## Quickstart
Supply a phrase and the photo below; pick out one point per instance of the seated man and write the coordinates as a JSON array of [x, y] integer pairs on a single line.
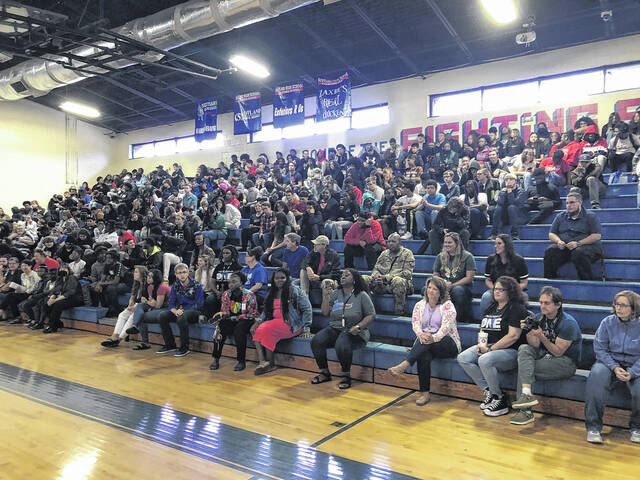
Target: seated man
[[406, 204], [576, 236], [294, 254], [588, 177], [509, 208], [543, 196], [393, 273], [453, 218], [111, 284], [428, 209], [363, 239], [186, 302], [320, 267], [552, 351]]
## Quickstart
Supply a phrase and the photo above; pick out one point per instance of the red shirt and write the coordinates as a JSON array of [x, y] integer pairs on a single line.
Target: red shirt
[[49, 262], [559, 169], [370, 235]]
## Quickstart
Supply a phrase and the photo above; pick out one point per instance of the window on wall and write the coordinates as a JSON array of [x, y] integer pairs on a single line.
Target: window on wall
[[622, 78], [171, 146], [457, 103], [366, 117], [559, 88]]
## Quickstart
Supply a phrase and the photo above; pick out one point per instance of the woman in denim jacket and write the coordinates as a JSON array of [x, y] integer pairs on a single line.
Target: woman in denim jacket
[[287, 314]]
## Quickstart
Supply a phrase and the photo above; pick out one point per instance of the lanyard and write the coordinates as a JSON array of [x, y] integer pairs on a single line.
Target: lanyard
[[344, 305]]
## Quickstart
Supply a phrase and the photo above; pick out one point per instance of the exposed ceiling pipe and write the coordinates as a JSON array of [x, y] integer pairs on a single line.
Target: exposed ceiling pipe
[[165, 30]]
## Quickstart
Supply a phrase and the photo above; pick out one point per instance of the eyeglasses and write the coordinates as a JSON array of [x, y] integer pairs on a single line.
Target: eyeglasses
[[621, 305], [499, 289]]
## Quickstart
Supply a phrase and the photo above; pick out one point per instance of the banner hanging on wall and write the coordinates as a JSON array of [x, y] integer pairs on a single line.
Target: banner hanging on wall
[[206, 120], [247, 113], [334, 98], [288, 105]]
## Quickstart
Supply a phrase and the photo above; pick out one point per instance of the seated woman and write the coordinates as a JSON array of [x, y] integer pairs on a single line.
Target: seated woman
[[504, 262], [478, 204], [155, 301], [434, 323], [237, 314], [501, 329], [29, 281], [351, 311], [214, 228], [617, 349], [287, 314], [457, 267], [273, 254], [230, 213], [311, 224], [204, 274], [66, 293], [135, 307]]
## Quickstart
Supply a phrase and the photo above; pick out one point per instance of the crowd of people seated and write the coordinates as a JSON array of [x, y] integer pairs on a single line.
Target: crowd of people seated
[[168, 240]]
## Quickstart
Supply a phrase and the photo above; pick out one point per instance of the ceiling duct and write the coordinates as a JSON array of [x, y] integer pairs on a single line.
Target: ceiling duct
[[165, 30]]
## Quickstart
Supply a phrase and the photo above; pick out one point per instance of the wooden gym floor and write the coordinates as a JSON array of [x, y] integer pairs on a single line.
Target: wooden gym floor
[[73, 410]]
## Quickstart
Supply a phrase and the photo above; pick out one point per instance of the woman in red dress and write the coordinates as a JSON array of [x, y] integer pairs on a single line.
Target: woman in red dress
[[287, 314]]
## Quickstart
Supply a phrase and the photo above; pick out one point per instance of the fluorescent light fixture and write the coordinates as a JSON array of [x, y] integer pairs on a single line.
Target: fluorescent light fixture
[[502, 11], [80, 109], [249, 66]]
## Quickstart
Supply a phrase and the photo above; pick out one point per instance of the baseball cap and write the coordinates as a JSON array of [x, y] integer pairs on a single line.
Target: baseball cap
[[320, 240]]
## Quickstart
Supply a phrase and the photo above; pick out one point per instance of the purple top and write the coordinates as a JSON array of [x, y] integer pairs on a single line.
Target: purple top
[[431, 319]]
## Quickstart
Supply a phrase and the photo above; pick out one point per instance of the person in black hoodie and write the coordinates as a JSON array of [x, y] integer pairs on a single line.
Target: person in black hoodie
[[453, 218], [66, 293], [228, 265], [311, 224], [542, 196], [329, 206]]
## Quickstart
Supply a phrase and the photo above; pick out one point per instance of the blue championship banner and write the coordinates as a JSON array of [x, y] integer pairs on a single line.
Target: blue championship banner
[[334, 98], [247, 113], [288, 105], [206, 120]]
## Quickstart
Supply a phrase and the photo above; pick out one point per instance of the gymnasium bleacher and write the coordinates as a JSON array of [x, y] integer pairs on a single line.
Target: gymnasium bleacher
[[588, 301]]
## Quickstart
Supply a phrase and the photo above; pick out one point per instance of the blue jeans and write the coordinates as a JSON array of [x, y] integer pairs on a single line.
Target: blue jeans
[[514, 217], [601, 380], [424, 220], [216, 236], [483, 369], [264, 242], [461, 296], [140, 310], [485, 301]]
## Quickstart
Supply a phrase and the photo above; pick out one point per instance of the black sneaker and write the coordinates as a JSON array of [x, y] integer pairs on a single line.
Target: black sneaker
[[497, 407], [132, 330], [487, 399], [166, 349], [182, 353]]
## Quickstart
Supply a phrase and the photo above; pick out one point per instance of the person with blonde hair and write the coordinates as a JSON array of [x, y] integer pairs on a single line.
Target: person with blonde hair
[[434, 323], [617, 349]]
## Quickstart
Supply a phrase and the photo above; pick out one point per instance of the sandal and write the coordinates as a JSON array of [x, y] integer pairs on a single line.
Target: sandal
[[142, 346], [345, 383], [322, 378]]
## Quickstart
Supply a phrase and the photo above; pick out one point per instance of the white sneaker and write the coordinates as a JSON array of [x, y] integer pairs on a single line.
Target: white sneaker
[[593, 436], [635, 436], [406, 236]]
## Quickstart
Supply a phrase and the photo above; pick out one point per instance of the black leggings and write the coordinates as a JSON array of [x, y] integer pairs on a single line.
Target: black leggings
[[55, 311], [423, 353], [240, 331], [344, 343]]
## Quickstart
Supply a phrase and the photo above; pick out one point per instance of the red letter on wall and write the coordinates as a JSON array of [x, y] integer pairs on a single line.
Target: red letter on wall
[[626, 108]]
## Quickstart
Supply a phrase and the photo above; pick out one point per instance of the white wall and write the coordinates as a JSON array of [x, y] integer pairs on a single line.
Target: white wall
[[32, 152], [408, 100]]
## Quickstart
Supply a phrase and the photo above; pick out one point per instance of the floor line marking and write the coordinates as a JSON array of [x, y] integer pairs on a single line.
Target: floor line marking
[[361, 419], [138, 433]]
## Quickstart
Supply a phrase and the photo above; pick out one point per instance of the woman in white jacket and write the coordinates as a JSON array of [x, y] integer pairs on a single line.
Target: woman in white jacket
[[231, 214], [434, 323]]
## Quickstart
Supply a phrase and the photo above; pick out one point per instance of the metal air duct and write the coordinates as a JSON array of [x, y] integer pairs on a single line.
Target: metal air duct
[[166, 30]]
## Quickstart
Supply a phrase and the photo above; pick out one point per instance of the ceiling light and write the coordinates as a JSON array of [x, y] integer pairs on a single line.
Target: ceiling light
[[80, 109], [502, 11], [250, 66]]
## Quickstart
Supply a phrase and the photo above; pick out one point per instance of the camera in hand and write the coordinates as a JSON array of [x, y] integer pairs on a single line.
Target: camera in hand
[[531, 323]]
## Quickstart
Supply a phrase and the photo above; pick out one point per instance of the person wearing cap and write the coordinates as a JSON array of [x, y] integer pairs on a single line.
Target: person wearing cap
[[393, 273], [542, 196], [588, 177], [321, 267], [364, 238]]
